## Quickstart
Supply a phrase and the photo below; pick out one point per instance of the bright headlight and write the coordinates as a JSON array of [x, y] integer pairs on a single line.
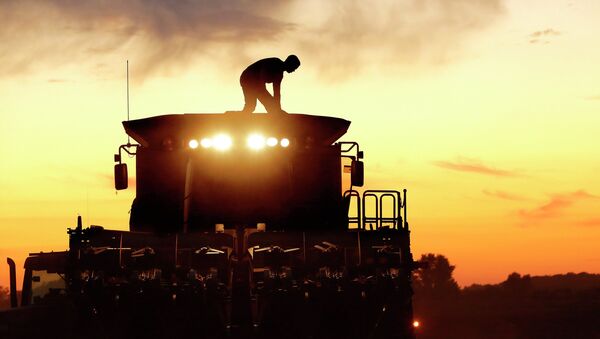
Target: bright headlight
[[285, 142], [256, 141], [271, 142], [206, 142], [193, 144], [222, 142]]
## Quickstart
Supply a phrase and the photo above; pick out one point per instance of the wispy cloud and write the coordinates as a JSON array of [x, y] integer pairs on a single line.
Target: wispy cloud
[[355, 34], [555, 206], [543, 36], [110, 180], [54, 81], [545, 32], [594, 222], [158, 34], [338, 37], [473, 166], [593, 97], [89, 179], [503, 195]]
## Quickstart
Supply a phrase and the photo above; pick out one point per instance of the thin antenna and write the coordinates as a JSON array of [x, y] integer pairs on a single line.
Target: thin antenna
[[128, 138]]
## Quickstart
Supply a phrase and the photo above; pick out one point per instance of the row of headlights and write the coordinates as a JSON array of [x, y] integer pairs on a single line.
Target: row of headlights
[[223, 142]]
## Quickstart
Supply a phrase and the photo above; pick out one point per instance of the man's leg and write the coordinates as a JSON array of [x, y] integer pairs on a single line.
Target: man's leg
[[268, 101], [249, 98]]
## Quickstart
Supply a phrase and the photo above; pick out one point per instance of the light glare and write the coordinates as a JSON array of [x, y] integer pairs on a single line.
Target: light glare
[[285, 142], [206, 142], [256, 141], [416, 323], [193, 144], [222, 142], [272, 142]]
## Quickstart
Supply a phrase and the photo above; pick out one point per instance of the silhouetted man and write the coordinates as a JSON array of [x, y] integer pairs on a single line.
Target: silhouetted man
[[255, 77]]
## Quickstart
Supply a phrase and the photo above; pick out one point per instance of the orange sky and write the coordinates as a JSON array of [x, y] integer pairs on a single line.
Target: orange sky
[[486, 111]]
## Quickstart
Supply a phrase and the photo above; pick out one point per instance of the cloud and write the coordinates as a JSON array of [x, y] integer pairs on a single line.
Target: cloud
[[90, 179], [353, 34], [110, 180], [546, 32], [159, 34], [557, 204], [594, 222], [543, 36], [338, 38], [593, 97], [473, 166], [54, 81], [503, 195]]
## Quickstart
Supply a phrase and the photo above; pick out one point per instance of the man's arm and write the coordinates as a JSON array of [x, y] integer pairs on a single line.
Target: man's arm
[[277, 91]]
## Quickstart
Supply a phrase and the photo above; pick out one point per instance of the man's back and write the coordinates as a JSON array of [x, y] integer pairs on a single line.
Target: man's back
[[269, 70]]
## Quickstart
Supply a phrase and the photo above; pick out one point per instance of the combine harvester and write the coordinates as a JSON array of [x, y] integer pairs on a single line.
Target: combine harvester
[[241, 228]]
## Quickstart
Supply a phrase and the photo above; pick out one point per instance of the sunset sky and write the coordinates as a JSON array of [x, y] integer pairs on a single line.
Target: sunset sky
[[487, 111]]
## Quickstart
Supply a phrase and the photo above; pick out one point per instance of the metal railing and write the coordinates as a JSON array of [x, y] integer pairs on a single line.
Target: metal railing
[[353, 219], [376, 209]]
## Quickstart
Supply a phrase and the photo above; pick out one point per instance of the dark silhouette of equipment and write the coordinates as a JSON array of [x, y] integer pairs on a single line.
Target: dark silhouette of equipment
[[266, 71], [243, 226]]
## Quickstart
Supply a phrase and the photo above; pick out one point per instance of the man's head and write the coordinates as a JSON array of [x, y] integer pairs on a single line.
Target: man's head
[[291, 63]]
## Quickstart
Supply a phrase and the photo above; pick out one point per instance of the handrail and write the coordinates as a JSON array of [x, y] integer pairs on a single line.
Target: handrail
[[357, 219], [379, 196], [397, 219], [368, 219], [396, 209], [404, 208]]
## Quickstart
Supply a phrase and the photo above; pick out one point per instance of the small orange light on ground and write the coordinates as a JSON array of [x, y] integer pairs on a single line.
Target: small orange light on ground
[[193, 144], [416, 324]]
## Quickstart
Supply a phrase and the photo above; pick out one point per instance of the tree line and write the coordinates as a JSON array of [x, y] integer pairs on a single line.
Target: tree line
[[522, 306]]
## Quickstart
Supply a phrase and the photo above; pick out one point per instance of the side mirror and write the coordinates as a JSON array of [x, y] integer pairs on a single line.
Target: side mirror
[[357, 173], [121, 179]]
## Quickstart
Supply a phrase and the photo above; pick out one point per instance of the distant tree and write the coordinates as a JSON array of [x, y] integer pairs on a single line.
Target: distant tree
[[516, 284], [435, 278]]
